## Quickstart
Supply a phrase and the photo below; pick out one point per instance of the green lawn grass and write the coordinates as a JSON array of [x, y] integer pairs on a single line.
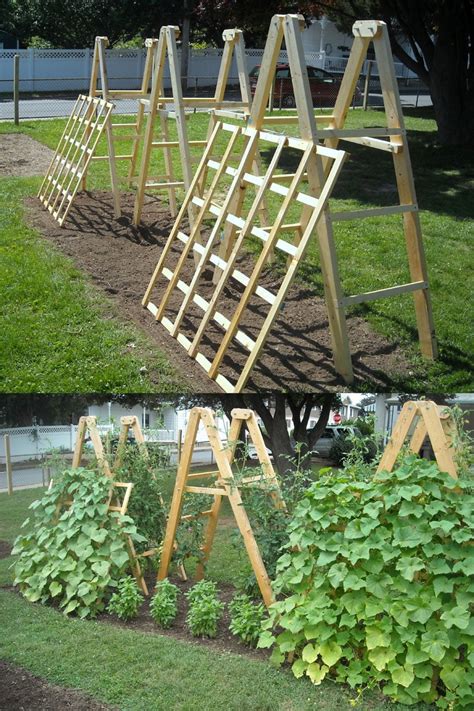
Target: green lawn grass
[[134, 670], [371, 256]]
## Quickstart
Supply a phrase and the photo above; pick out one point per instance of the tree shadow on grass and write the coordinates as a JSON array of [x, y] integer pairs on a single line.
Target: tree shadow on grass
[[444, 175]]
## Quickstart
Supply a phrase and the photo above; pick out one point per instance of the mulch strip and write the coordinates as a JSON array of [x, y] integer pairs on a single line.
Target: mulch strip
[[120, 259], [22, 691]]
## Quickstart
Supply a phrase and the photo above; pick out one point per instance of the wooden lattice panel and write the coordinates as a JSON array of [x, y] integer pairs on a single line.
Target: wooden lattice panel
[[75, 149], [222, 206]]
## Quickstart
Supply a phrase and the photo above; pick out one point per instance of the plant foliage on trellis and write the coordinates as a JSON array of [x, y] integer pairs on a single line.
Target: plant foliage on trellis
[[378, 585], [73, 553]]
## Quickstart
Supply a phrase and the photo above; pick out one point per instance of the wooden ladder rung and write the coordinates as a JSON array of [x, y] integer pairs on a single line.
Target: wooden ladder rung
[[124, 156], [382, 293], [205, 490], [164, 186], [191, 517], [372, 212]]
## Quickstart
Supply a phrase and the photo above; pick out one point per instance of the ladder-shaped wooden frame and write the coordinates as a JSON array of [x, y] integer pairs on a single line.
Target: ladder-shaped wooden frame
[[134, 129], [158, 107], [225, 484], [390, 139], [89, 118], [417, 420]]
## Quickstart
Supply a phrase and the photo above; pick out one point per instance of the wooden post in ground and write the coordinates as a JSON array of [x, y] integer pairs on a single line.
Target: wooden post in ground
[[16, 88], [365, 99], [8, 464], [180, 445]]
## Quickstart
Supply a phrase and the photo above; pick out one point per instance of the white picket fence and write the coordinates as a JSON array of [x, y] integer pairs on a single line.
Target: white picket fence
[[49, 70]]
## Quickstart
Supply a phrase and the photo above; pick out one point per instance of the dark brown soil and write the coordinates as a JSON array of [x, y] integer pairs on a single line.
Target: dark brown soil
[[5, 549], [22, 156], [21, 691], [225, 641], [120, 258]]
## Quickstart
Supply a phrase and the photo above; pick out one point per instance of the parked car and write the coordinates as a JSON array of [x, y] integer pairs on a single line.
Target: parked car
[[324, 86], [330, 434]]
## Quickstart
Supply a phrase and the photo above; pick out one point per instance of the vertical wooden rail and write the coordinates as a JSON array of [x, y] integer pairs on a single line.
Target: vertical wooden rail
[[8, 464], [16, 88], [406, 191]]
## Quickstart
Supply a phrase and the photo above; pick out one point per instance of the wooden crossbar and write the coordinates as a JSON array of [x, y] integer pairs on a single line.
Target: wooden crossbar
[[417, 421], [225, 485]]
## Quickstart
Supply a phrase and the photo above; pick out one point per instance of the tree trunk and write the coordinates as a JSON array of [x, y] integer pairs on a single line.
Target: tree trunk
[[185, 48], [453, 99]]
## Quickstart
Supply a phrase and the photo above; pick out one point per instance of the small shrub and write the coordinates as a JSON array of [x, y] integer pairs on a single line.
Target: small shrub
[[205, 609], [164, 605], [125, 602], [73, 554], [246, 619]]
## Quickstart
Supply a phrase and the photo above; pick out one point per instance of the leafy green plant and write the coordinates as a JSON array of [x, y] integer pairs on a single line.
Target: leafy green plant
[[126, 600], [164, 603], [74, 553], [269, 523], [246, 619], [205, 609], [146, 505], [377, 585]]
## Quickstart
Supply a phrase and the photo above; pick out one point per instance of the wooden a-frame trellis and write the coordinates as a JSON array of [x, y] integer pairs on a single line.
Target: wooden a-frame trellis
[[319, 175], [133, 128], [159, 109], [224, 484], [416, 421], [391, 139], [231, 227], [91, 117], [88, 425]]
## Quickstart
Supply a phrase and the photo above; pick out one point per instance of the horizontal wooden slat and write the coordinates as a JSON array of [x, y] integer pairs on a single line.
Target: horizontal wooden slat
[[382, 293], [205, 490], [163, 186], [372, 212]]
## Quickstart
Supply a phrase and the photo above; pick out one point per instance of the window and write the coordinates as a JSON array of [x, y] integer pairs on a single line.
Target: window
[[283, 74]]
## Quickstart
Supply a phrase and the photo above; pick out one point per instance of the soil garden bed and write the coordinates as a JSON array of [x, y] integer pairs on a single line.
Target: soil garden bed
[[120, 259], [21, 156], [225, 641], [22, 691], [5, 549]]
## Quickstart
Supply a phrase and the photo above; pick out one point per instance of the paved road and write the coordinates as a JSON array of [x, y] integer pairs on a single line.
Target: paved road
[[56, 108], [22, 478]]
